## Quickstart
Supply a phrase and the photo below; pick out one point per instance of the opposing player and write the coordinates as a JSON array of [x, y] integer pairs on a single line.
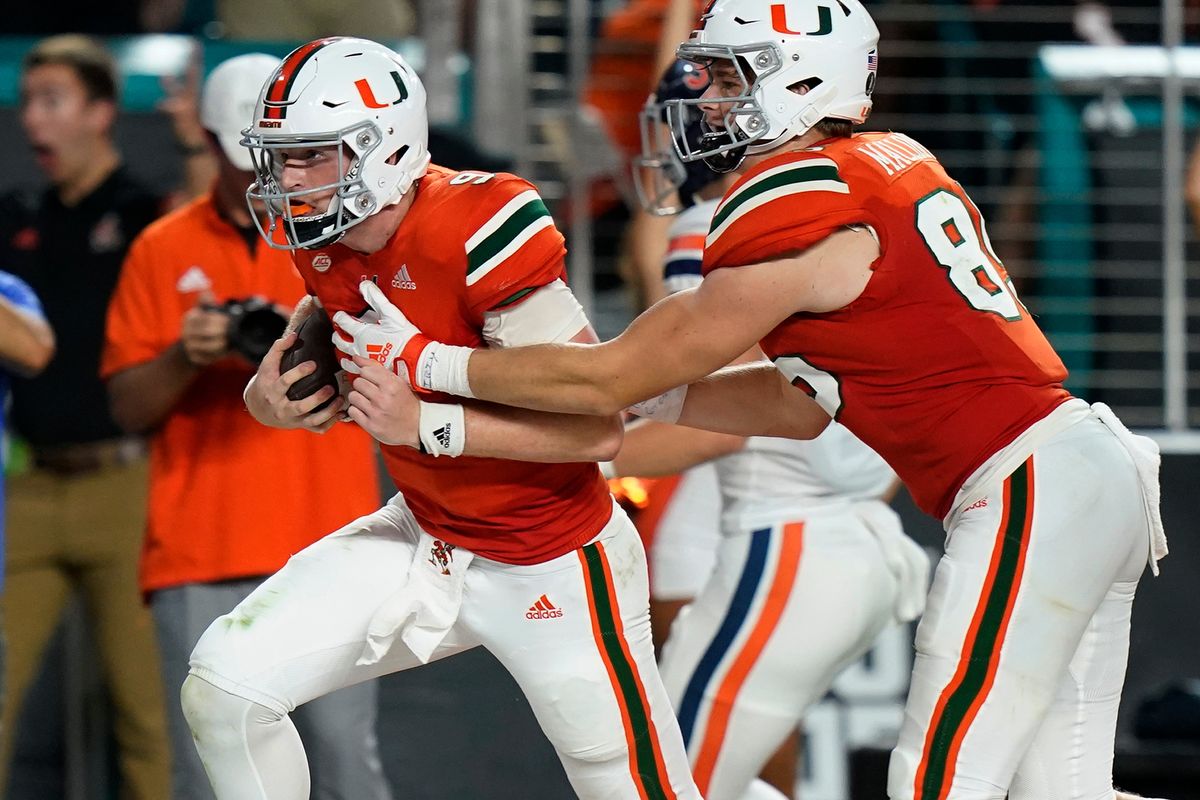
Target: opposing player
[[530, 560], [812, 564], [867, 275]]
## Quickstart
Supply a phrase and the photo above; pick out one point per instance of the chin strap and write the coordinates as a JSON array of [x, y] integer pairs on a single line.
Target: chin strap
[[725, 162]]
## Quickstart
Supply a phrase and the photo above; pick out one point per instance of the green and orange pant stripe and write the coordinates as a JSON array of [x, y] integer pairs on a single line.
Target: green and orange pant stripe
[[646, 764], [960, 701]]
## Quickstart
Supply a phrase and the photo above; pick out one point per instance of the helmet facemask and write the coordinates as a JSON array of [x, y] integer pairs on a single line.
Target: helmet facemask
[[743, 121], [304, 223], [665, 184], [657, 172]]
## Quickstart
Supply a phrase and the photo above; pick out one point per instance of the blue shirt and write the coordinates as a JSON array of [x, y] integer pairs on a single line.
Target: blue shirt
[[17, 292]]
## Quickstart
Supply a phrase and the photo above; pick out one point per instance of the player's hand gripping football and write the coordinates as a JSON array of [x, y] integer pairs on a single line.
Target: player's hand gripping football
[[383, 404], [266, 395], [390, 340]]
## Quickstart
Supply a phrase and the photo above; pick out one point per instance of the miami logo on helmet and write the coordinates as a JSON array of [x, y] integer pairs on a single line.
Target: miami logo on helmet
[[824, 21], [368, 96]]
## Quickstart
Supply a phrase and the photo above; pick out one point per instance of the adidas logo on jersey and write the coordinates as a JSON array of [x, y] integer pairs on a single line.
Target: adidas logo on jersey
[[543, 609], [193, 280], [402, 280]]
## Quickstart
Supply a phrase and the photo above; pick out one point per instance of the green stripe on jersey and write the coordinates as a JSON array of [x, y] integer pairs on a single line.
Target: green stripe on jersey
[[504, 233], [801, 173], [512, 298]]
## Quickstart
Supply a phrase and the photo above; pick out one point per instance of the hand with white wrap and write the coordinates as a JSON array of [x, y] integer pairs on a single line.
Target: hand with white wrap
[[399, 346]]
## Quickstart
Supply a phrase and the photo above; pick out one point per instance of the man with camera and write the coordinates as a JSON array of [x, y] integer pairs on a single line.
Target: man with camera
[[197, 305]]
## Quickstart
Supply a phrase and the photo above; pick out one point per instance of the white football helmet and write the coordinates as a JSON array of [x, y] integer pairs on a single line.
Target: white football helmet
[[830, 45], [350, 93]]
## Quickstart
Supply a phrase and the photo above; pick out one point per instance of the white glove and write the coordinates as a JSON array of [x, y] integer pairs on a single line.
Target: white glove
[[383, 340]]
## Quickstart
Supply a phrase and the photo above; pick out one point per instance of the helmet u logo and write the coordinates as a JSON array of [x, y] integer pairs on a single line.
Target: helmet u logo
[[368, 96], [780, 24]]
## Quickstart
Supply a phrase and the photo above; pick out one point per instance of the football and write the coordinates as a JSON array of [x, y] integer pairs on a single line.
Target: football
[[314, 342]]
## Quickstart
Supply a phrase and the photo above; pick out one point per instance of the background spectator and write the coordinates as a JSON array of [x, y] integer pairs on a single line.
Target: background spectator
[[26, 345], [75, 520]]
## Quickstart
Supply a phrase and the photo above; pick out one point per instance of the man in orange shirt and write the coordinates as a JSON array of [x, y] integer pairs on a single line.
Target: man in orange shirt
[[171, 371]]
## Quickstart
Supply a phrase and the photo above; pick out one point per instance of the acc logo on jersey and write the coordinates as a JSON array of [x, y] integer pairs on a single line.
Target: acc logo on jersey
[[322, 262]]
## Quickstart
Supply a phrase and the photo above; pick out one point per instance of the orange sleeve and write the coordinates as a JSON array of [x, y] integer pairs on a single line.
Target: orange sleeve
[[137, 330], [512, 247], [780, 212]]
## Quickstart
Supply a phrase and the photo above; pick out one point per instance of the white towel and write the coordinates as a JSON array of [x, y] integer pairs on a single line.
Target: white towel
[[904, 557], [422, 611], [1146, 458]]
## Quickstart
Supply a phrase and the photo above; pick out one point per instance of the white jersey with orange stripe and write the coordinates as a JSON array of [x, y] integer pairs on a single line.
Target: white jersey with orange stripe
[[685, 246], [770, 477]]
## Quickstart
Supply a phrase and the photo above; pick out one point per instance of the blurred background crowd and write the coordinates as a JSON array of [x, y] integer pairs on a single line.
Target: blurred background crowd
[[141, 497]]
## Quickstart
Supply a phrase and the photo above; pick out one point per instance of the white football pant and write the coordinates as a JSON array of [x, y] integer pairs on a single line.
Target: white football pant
[[1021, 653], [788, 607], [574, 632]]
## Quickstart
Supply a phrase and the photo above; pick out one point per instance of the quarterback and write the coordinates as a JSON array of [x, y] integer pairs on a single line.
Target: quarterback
[[530, 560], [866, 274]]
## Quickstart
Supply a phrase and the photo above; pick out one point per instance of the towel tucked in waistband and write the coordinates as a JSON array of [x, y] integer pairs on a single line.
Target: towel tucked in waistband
[[1144, 452], [424, 609]]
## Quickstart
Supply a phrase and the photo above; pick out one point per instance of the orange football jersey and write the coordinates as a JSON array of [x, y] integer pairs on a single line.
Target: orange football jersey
[[937, 365], [470, 243]]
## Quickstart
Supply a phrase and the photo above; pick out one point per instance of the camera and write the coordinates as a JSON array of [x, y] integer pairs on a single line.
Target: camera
[[254, 325]]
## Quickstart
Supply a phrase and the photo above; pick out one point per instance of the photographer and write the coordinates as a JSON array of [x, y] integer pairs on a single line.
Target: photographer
[[193, 312]]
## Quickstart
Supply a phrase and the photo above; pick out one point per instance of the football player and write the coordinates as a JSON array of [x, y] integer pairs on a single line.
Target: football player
[[482, 546], [812, 564], [866, 274]]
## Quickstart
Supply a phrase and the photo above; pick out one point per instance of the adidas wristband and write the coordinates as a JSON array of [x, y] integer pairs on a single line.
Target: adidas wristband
[[442, 428], [443, 368]]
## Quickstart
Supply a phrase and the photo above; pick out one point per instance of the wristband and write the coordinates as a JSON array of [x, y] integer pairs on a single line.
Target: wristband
[[667, 407], [443, 368], [607, 469], [442, 428]]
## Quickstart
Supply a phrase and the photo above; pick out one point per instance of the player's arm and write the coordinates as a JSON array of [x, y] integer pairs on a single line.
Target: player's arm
[[680, 340], [26, 341], [751, 400], [384, 405], [655, 449]]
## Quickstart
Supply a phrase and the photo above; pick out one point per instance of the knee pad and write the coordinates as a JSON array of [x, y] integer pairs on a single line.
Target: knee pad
[[579, 724], [207, 707]]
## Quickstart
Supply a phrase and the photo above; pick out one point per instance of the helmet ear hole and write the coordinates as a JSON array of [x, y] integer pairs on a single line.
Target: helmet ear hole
[[395, 157], [808, 84]]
